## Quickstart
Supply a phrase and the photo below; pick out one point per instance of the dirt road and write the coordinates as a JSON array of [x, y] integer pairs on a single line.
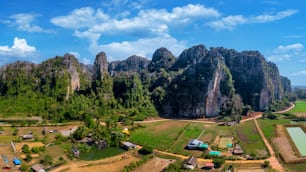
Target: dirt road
[[273, 160]]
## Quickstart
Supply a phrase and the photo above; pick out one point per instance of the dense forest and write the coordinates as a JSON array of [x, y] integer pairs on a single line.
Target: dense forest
[[199, 83]]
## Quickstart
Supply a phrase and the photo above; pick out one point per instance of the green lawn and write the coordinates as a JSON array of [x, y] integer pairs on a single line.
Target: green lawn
[[267, 126], [296, 167], [191, 131], [250, 139], [300, 106], [99, 154], [159, 135]]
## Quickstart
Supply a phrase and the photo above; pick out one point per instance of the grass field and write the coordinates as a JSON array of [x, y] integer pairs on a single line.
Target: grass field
[[173, 135], [224, 141], [300, 106], [267, 126], [100, 154], [250, 139], [191, 131], [159, 135]]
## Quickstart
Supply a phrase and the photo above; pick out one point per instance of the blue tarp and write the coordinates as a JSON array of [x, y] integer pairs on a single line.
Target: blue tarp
[[16, 161], [214, 153]]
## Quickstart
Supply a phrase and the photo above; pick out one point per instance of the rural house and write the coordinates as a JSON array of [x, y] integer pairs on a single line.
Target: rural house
[[191, 163], [128, 145], [27, 137], [238, 150], [208, 166], [38, 168], [196, 144]]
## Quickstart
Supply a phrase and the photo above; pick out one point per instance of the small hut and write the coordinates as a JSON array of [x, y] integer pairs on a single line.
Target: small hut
[[38, 168], [27, 137], [128, 145], [208, 166], [191, 163]]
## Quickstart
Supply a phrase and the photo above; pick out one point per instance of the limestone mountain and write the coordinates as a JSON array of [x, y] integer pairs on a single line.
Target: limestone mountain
[[201, 82]]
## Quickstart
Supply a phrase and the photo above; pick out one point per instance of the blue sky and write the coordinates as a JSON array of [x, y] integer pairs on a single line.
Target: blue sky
[[34, 30]]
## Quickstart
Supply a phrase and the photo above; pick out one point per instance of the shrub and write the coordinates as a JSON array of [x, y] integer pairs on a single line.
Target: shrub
[[218, 162]]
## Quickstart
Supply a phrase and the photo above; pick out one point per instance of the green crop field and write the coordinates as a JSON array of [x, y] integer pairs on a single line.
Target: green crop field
[[250, 139], [300, 106]]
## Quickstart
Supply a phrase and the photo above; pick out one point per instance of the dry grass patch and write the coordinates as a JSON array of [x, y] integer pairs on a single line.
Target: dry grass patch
[[31, 144]]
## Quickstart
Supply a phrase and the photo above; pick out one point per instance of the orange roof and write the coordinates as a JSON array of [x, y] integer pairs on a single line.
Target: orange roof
[[209, 164]]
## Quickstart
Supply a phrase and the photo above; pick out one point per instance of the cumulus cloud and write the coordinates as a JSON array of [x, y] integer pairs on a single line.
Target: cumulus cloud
[[228, 22], [24, 22], [149, 28], [231, 21], [143, 47], [300, 73], [287, 52], [20, 48], [80, 18]]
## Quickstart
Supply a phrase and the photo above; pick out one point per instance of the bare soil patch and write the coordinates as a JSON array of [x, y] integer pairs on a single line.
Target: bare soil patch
[[114, 164], [284, 146], [301, 114], [154, 165]]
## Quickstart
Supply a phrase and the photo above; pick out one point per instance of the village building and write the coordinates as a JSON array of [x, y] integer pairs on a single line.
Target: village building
[[196, 144], [76, 152], [191, 163], [38, 168], [128, 145], [27, 136], [237, 150], [208, 166]]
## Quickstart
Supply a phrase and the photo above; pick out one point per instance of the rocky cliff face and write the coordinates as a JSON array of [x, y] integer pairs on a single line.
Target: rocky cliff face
[[133, 64], [190, 56], [200, 82], [100, 66], [162, 59], [199, 91]]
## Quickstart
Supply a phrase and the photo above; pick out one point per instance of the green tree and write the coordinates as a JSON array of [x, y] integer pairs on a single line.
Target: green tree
[[25, 149], [81, 132], [218, 162]]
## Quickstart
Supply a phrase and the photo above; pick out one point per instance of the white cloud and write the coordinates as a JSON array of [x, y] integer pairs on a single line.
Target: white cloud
[[20, 48], [287, 52], [95, 23], [143, 47], [228, 22], [300, 73], [149, 28], [278, 16], [81, 18], [24, 22], [291, 47], [231, 21]]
